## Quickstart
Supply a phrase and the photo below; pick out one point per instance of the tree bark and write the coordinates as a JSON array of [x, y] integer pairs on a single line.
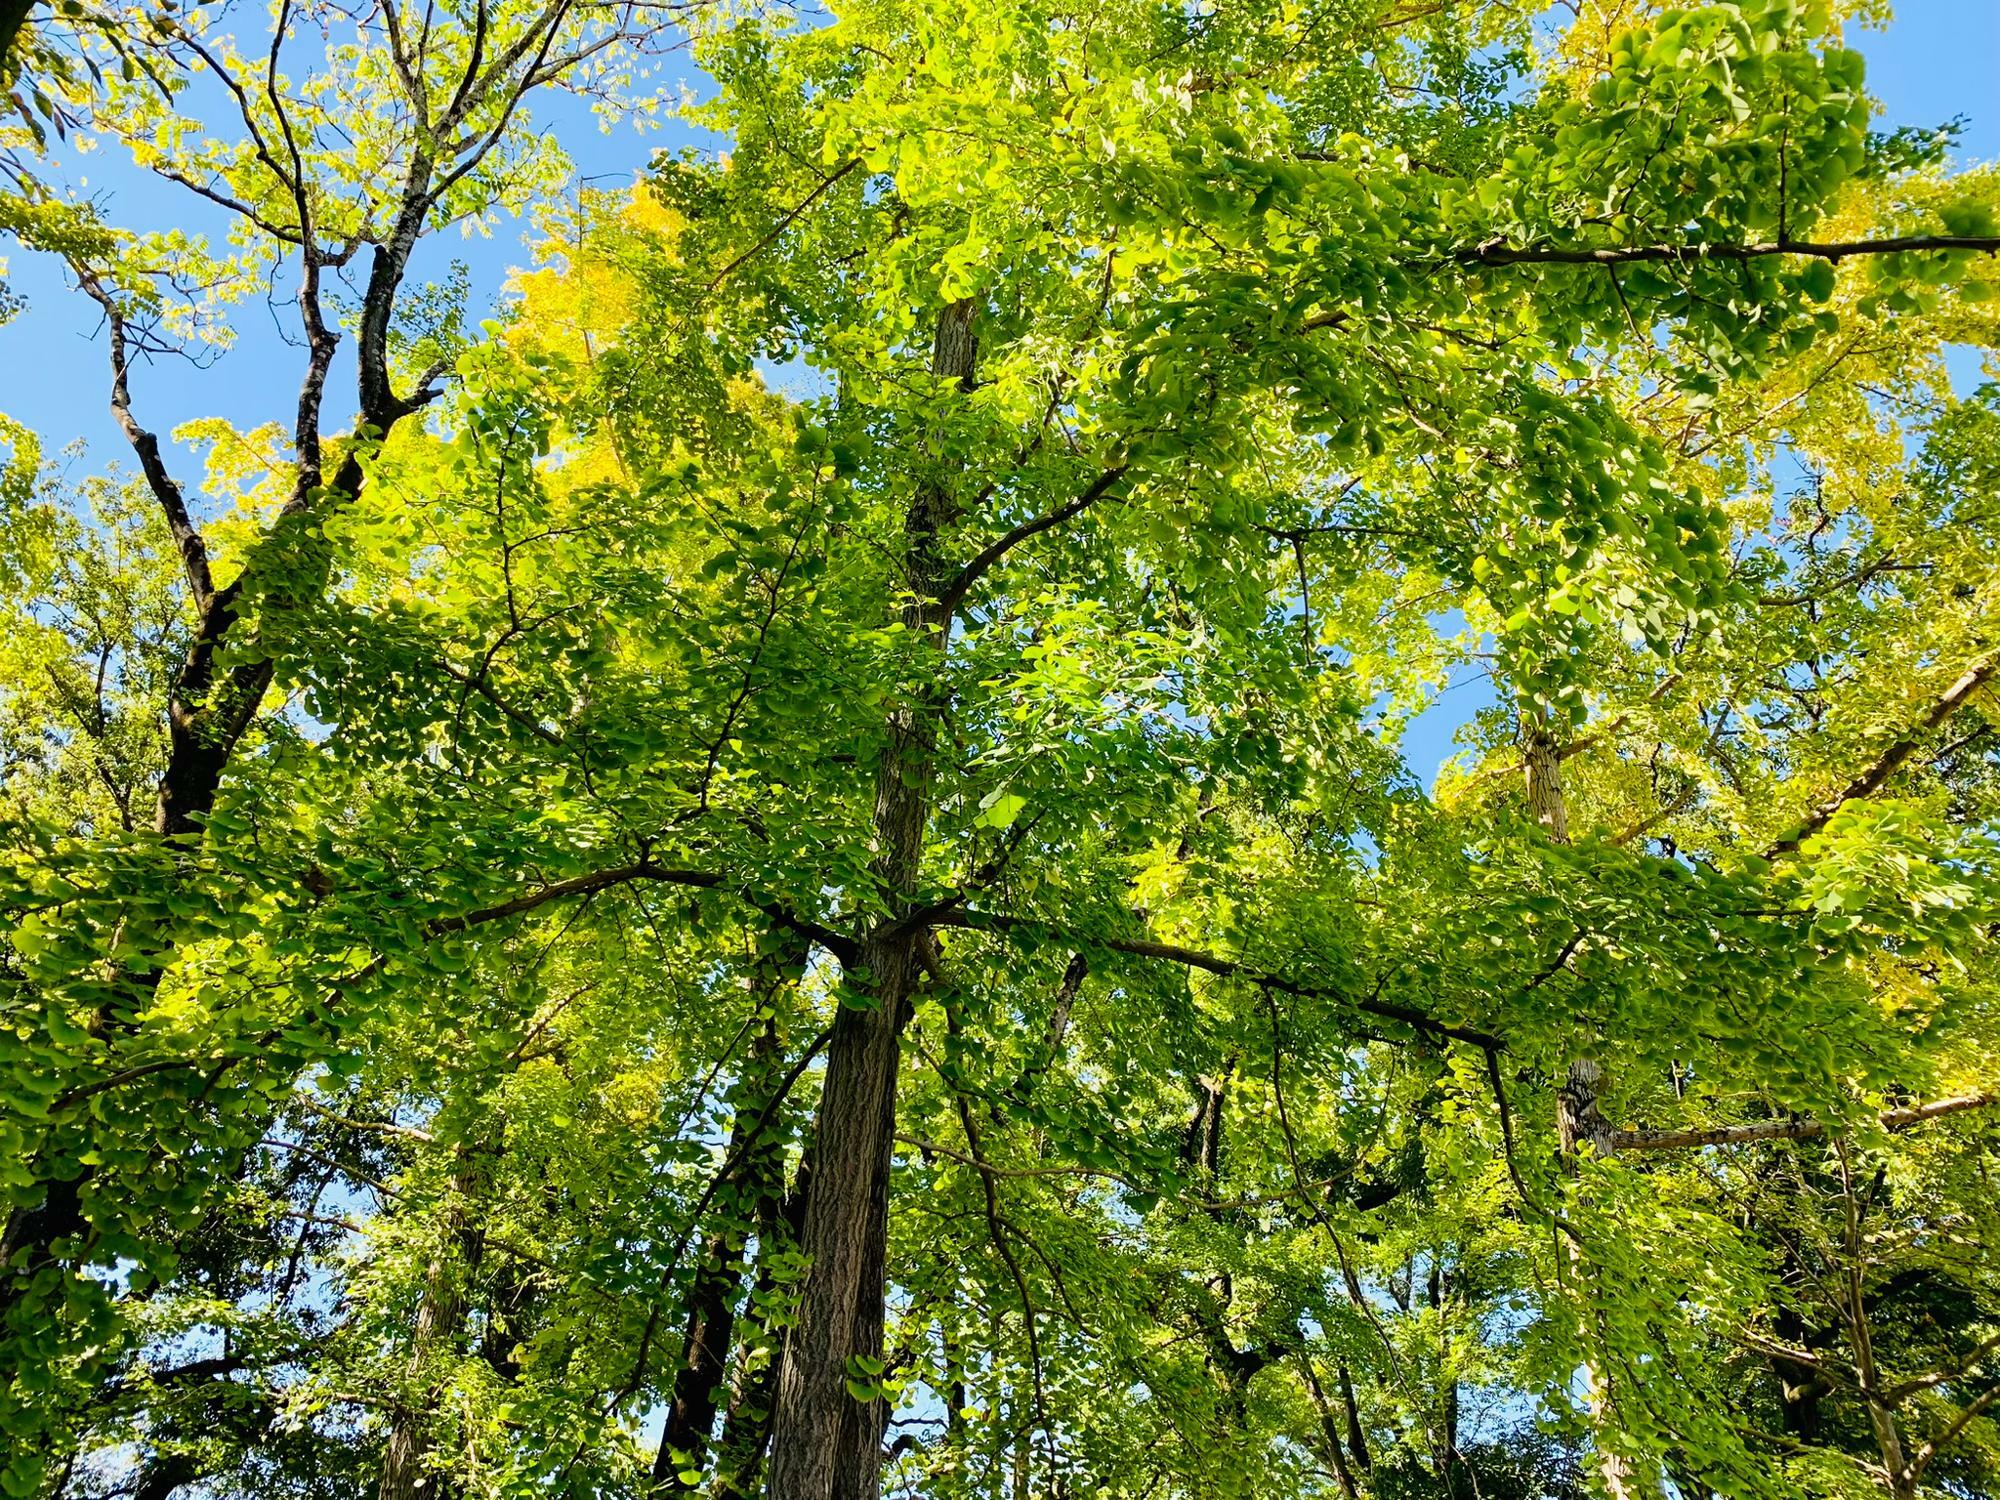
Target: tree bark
[[1541, 765], [826, 1445], [711, 1326], [13, 18], [746, 1425], [1579, 1122], [439, 1322]]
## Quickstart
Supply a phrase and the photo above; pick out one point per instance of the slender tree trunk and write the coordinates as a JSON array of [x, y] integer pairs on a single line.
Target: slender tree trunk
[[208, 714], [1329, 1429], [1456, 1475], [439, 1322], [1578, 1119], [746, 1425], [1023, 1428], [1357, 1435], [825, 1445], [711, 1326], [1902, 1481]]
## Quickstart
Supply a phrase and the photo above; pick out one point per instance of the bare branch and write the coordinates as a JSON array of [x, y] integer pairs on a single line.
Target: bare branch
[[146, 445], [1854, 579], [1788, 1130]]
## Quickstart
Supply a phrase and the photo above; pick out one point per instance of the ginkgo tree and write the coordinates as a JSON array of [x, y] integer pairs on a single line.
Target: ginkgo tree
[[788, 871]]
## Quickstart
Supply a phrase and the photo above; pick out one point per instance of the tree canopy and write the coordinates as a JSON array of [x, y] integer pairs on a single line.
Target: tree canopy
[[788, 867]]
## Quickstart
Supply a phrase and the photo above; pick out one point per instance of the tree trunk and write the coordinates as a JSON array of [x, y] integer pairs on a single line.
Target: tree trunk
[[1357, 1435], [440, 1320], [1579, 1122], [1329, 1429], [1578, 1119], [711, 1328], [13, 17], [1541, 765], [746, 1425], [207, 715], [826, 1445]]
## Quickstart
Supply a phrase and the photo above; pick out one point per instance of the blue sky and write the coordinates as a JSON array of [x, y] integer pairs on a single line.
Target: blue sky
[[1937, 60]]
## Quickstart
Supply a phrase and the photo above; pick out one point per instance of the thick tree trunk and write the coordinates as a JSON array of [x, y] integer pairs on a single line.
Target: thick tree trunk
[[826, 1445], [1800, 1389], [13, 17]]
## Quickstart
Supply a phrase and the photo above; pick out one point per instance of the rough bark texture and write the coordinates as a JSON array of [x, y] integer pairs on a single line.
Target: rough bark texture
[[1541, 763], [825, 1445], [1579, 1122]]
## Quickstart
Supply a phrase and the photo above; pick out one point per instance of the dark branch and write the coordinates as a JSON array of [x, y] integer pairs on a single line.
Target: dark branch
[[146, 445], [1222, 968], [637, 872], [785, 223], [956, 588]]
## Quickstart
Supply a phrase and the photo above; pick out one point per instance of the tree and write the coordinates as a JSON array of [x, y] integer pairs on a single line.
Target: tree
[[892, 919], [401, 130]]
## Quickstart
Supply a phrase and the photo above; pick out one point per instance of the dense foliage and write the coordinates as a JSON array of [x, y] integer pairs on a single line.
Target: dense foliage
[[789, 869]]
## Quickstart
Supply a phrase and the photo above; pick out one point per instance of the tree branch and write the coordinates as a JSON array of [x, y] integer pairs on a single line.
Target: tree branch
[[146, 445], [1920, 1460], [785, 223], [643, 870], [1871, 780], [961, 582], [1498, 253], [577, 885], [1788, 1130], [1209, 963]]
